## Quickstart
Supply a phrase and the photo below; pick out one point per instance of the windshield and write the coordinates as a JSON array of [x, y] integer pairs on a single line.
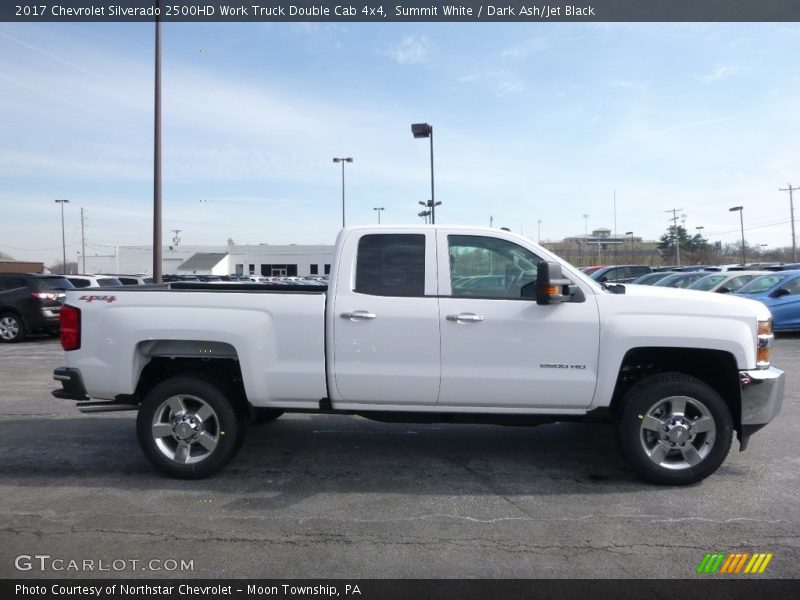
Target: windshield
[[762, 284], [707, 282], [679, 280]]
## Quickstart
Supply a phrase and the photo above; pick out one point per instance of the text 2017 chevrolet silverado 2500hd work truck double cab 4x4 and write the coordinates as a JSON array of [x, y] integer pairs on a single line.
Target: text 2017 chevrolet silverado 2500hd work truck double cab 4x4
[[400, 336]]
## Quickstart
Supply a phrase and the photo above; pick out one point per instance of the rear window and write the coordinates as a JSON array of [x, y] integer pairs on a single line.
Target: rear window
[[54, 283], [391, 265], [108, 281]]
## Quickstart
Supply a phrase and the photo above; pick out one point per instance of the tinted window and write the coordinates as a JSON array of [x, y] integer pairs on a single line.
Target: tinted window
[[391, 265], [489, 267], [80, 283], [12, 283], [637, 271], [128, 281]]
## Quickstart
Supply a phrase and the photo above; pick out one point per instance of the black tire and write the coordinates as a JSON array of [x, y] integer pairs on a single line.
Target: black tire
[[674, 429], [12, 329], [265, 415], [190, 427]]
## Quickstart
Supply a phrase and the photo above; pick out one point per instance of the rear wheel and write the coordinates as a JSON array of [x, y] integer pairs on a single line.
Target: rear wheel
[[675, 429], [12, 328], [189, 428]]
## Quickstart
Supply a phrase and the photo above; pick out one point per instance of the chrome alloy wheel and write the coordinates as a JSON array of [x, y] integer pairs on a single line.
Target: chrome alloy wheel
[[677, 432], [9, 328], [186, 429]]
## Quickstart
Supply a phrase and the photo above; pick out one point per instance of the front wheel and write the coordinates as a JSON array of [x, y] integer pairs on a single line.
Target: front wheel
[[674, 429], [188, 428]]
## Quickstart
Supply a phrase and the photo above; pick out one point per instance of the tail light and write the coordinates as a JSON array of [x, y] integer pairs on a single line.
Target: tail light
[[70, 318], [45, 295]]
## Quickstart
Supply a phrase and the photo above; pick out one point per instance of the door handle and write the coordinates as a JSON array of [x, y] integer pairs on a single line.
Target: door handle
[[358, 315], [465, 318]]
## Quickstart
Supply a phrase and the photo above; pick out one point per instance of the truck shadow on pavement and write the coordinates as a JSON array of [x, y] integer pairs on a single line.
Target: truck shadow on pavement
[[298, 456]]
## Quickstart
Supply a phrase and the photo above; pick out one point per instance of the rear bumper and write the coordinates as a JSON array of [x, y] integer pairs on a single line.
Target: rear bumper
[[71, 384]]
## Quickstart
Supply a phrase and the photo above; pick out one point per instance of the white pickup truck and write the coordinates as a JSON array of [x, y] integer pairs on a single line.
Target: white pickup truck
[[427, 324]]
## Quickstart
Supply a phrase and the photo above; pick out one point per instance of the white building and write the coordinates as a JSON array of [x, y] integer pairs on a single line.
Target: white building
[[262, 259]]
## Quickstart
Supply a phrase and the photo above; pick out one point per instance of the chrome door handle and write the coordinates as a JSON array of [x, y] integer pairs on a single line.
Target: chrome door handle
[[465, 318], [358, 315]]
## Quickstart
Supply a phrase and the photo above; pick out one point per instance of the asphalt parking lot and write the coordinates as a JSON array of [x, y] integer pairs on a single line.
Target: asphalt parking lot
[[342, 497]]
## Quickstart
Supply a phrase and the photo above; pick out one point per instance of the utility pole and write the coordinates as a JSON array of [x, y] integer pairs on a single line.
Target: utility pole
[[176, 239], [616, 260], [83, 243], [674, 220], [790, 189]]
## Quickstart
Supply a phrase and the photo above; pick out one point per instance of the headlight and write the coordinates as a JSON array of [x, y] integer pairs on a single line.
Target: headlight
[[765, 337]]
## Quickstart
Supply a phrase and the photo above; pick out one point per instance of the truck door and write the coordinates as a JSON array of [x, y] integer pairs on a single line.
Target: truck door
[[500, 350], [385, 321]]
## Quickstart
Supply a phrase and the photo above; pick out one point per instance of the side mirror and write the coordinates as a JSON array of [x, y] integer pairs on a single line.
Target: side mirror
[[724, 290], [780, 292], [551, 286]]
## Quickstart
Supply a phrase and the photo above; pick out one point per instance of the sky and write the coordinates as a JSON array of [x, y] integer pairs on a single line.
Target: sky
[[535, 125]]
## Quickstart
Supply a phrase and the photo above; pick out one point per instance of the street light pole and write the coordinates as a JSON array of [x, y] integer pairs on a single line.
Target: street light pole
[[539, 233], [343, 160], [378, 210], [157, 263], [740, 210], [423, 130], [62, 202]]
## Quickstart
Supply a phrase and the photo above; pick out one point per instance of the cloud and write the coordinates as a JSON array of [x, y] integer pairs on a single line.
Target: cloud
[[720, 74], [500, 82], [526, 49], [412, 49]]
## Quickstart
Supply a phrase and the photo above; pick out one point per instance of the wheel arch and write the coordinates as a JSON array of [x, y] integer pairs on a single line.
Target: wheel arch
[[158, 360], [716, 368]]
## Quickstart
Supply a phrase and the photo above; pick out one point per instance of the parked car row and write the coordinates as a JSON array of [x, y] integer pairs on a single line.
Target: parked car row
[[30, 302]]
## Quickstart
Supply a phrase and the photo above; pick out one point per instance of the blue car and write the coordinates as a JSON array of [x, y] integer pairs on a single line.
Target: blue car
[[780, 291]]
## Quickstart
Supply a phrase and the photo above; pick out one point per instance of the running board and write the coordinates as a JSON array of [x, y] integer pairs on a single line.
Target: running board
[[97, 407]]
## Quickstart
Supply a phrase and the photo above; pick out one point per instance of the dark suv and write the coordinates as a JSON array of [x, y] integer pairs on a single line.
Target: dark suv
[[30, 302]]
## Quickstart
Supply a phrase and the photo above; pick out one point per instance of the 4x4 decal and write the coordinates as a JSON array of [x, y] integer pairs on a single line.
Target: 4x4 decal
[[93, 297]]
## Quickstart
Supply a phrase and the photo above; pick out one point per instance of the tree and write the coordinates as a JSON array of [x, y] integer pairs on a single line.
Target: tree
[[692, 248], [4, 256]]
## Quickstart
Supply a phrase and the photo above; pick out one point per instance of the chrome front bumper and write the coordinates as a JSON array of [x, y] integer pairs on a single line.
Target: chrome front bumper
[[762, 395]]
